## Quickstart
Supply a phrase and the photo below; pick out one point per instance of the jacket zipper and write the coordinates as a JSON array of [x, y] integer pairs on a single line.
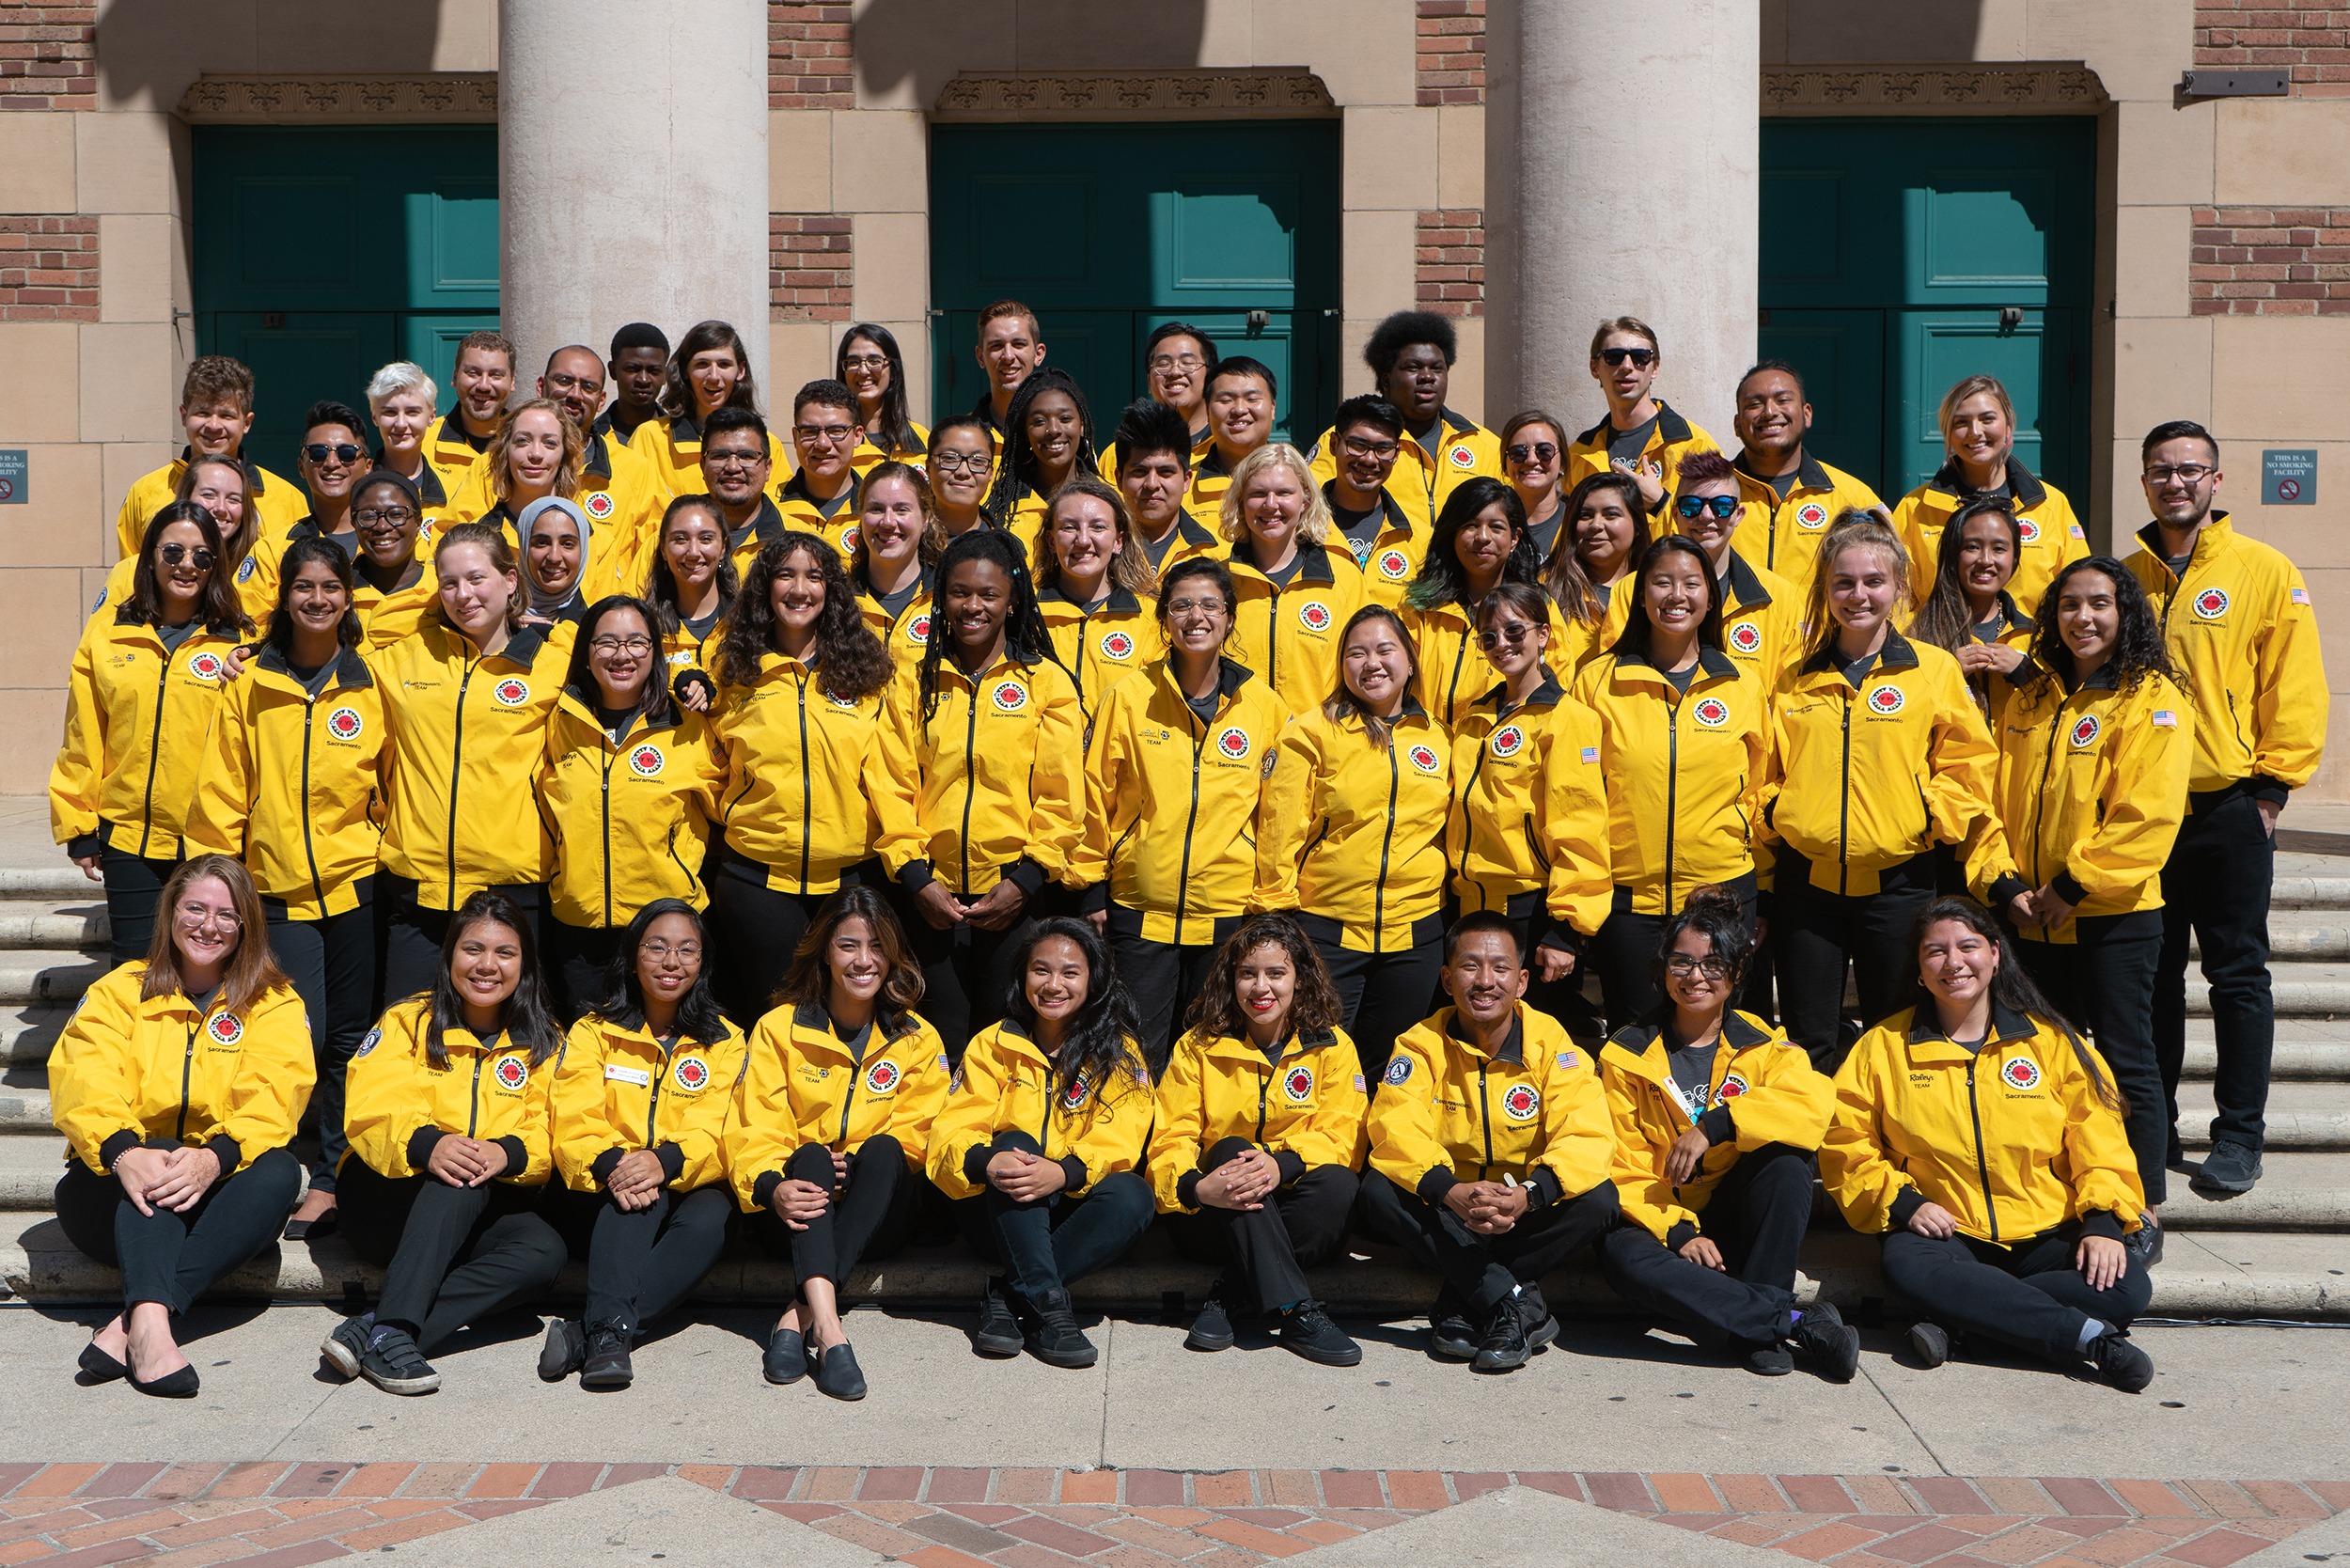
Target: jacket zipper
[[187, 1070], [652, 1104], [1983, 1166], [2040, 802], [1468, 824], [848, 1101], [456, 775], [1191, 820], [1264, 1086], [970, 783], [807, 790], [1843, 804], [154, 753], [1484, 1120], [1387, 837], [309, 847], [1672, 792], [605, 808], [473, 1104]]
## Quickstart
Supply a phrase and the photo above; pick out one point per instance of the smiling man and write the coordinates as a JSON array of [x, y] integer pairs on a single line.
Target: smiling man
[[1411, 355], [1791, 495], [1240, 396], [1009, 348], [483, 380]]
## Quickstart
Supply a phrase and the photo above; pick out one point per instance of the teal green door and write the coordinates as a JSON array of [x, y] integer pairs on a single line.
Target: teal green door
[[1899, 255], [323, 254], [1108, 230]]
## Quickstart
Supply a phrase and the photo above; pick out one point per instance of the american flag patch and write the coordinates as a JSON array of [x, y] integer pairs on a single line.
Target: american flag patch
[[1591, 754], [2300, 596], [1358, 1083], [2166, 719], [2077, 531]]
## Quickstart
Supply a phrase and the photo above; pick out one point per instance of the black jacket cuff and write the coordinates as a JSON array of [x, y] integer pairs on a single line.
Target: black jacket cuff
[[1682, 1233], [2260, 786], [1074, 1168], [517, 1154], [1906, 1203], [228, 1151], [116, 1146], [2007, 887], [689, 678], [672, 1160], [1187, 1188], [915, 876], [85, 844], [2065, 888], [1094, 900], [763, 1190], [975, 1164], [2102, 1222], [605, 1163], [420, 1144], [1433, 1186], [1565, 938], [1025, 875], [1716, 1125], [1291, 1164], [1543, 1188]]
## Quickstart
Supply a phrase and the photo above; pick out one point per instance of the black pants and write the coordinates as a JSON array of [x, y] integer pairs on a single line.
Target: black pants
[[174, 1258], [871, 1213], [642, 1265], [1163, 978], [1562, 1000], [2216, 886], [410, 934], [1484, 1271], [578, 959], [134, 886], [1380, 995], [2105, 983], [2029, 1297], [1815, 935], [1624, 950], [1757, 1217], [1052, 1243], [754, 930], [967, 973], [1302, 1226], [451, 1255], [332, 964]]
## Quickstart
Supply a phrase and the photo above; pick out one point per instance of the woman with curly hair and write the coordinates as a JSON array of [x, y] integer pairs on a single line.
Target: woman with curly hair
[[1048, 438], [798, 714], [1259, 1132]]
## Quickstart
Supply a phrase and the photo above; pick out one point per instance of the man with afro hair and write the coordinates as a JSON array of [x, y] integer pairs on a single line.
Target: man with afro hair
[[1411, 355]]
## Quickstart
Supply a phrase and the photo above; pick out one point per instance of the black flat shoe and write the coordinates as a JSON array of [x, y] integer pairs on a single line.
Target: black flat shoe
[[787, 1357], [838, 1373], [182, 1383], [98, 1367], [311, 1229]]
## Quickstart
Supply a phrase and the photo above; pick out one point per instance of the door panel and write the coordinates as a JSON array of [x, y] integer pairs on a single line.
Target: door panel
[[2036, 360], [431, 340], [1841, 357], [316, 354]]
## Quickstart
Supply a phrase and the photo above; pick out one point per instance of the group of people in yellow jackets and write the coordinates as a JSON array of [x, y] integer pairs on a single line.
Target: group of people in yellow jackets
[[967, 769]]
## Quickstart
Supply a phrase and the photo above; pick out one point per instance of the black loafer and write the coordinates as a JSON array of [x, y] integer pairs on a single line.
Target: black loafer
[[98, 1367], [182, 1383], [787, 1357], [313, 1230], [838, 1376]]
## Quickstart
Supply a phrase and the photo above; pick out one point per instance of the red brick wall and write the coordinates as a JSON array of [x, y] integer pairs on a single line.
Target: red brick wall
[[807, 56], [1451, 262], [48, 56], [2270, 262], [809, 260], [2312, 41], [1451, 47], [48, 269]]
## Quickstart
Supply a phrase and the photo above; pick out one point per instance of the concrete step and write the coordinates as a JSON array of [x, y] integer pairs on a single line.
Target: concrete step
[[2302, 990], [26, 1034], [58, 978], [2321, 889], [48, 879], [2302, 1115], [53, 927], [2306, 1191]]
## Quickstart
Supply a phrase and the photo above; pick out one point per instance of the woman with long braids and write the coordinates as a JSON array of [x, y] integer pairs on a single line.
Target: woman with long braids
[[1048, 437], [799, 718], [1983, 1141], [1041, 1142], [986, 795], [1480, 541]]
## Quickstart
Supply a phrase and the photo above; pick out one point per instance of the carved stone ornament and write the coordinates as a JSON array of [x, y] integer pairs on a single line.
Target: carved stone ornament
[[463, 96], [2056, 87], [1275, 92]]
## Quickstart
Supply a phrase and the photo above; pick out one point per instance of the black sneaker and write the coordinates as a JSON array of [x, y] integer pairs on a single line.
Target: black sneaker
[[2145, 1242], [1450, 1335], [1503, 1346], [998, 1333], [1827, 1342], [1056, 1339], [1930, 1342], [1308, 1331], [345, 1344], [562, 1352], [1770, 1360], [606, 1364], [2120, 1363], [394, 1364], [1542, 1328], [1212, 1330], [2231, 1168], [785, 1357], [838, 1376]]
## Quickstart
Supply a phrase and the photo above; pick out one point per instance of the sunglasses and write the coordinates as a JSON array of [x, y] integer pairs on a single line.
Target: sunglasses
[[1642, 357], [173, 554], [341, 451], [1694, 507], [1541, 451]]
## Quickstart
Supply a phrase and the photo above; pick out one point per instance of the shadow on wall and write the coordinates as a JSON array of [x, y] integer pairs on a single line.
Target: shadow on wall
[[1855, 32], [151, 51], [928, 42]]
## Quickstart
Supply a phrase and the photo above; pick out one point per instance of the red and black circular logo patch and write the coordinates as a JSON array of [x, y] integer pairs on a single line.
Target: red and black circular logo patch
[[597, 504], [1509, 741], [2028, 531], [512, 692], [1733, 1087], [206, 667], [1298, 1083], [1811, 515], [918, 629], [882, 1076], [2084, 732], [1887, 699], [692, 1073], [512, 1073], [1519, 1103], [1394, 565], [2020, 1072], [1073, 1097], [1711, 711], [227, 1027], [1314, 616], [2211, 604], [1424, 758], [344, 723], [1232, 743], [1010, 697], [645, 761], [1746, 639], [1117, 645]]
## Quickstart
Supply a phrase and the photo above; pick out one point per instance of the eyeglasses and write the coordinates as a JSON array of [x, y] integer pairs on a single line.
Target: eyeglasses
[[173, 554], [1193, 606], [1694, 507], [620, 645], [731, 460], [1360, 447], [341, 451], [962, 463], [661, 952], [1642, 357], [1164, 362], [2185, 473], [824, 435], [865, 362], [194, 916], [396, 516], [1683, 965], [575, 384], [1540, 451], [1493, 636]]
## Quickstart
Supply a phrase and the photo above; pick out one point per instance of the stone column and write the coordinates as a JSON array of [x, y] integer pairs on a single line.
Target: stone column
[[1626, 184], [631, 169]]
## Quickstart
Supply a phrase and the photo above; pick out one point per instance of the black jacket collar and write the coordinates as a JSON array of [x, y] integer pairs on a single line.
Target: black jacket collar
[[2021, 483], [350, 669], [1670, 425], [1895, 654]]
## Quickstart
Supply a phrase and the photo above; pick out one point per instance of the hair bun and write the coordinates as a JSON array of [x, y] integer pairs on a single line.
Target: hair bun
[[1711, 896]]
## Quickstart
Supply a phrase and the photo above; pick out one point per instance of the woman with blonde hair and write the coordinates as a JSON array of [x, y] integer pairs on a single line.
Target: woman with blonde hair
[[1978, 424], [400, 401], [1095, 589], [1297, 592]]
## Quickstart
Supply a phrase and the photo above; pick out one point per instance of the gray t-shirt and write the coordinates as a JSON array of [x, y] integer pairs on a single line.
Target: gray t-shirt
[[1629, 445]]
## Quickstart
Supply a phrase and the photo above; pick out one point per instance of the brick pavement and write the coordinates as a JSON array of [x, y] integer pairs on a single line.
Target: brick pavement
[[281, 1515]]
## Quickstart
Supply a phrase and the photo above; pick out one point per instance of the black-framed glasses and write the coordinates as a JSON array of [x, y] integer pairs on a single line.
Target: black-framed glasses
[[730, 460], [1163, 363], [396, 516], [613, 644], [1539, 451], [1683, 965], [1642, 357], [962, 463], [1691, 507], [341, 451], [1357, 446], [865, 362], [2185, 473], [195, 553], [829, 436]]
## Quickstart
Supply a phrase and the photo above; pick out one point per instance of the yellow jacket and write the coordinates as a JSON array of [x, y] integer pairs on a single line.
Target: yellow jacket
[[1535, 1111], [137, 726], [1216, 1087], [1529, 820], [630, 823], [991, 785], [617, 1090], [1784, 536], [1289, 636], [1171, 803], [1423, 480], [869, 456], [803, 773], [2092, 786], [2013, 1141], [1673, 438], [2242, 631], [800, 510], [467, 733], [159, 1071], [2051, 534], [1762, 1091], [1454, 673], [294, 784], [387, 617], [1353, 833], [1101, 646], [1391, 559], [1762, 621], [1684, 799], [671, 445], [278, 503], [1007, 1084], [397, 1105], [806, 1085], [1871, 778], [452, 454], [617, 490]]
